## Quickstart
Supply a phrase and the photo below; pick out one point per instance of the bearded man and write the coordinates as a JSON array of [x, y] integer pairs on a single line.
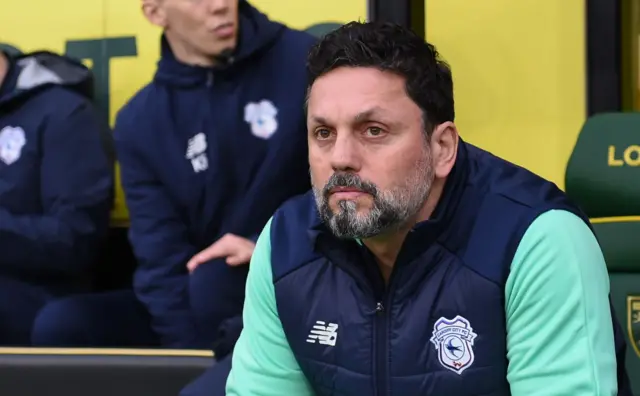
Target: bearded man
[[420, 264]]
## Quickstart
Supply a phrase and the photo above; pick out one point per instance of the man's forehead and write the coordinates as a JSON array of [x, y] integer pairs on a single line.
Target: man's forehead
[[370, 112], [354, 106], [357, 85], [358, 81], [357, 94]]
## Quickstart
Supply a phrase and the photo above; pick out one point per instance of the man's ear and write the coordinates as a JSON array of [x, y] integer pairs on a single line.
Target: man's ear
[[154, 12], [444, 148]]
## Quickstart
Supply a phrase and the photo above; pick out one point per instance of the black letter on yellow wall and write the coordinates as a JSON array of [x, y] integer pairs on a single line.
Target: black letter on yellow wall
[[100, 52]]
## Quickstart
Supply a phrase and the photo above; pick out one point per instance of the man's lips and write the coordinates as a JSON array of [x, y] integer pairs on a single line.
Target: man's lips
[[346, 192], [224, 30], [345, 189]]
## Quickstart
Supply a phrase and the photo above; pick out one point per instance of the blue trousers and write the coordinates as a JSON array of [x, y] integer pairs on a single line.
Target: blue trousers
[[19, 305], [114, 319], [212, 382], [118, 319]]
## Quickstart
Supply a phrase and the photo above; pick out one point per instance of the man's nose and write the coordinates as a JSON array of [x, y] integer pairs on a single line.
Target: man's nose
[[345, 154]]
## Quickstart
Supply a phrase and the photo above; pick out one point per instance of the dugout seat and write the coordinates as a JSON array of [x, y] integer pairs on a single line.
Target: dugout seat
[[603, 177], [99, 372]]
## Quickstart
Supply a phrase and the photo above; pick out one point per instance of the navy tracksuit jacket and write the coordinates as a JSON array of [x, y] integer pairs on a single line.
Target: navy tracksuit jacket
[[205, 152], [56, 187], [56, 180]]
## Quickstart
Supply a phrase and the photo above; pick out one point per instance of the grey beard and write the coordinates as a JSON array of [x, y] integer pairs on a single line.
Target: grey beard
[[391, 209]]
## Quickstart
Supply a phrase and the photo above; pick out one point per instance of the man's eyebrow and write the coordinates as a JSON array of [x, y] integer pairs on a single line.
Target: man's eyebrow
[[319, 120], [368, 114]]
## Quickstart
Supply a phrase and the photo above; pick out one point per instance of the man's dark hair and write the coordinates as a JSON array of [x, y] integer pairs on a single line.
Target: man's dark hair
[[393, 48]]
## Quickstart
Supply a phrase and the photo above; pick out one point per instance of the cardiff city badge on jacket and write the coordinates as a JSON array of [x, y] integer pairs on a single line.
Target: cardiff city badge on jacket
[[12, 140], [453, 339], [261, 117]]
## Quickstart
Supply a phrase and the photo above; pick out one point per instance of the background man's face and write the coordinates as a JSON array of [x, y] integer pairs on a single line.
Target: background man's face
[[370, 161], [206, 26]]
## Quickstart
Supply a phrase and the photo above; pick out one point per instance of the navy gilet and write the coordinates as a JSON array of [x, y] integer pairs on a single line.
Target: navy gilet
[[450, 273]]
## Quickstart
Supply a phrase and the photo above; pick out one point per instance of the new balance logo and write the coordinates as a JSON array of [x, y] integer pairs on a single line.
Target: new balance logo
[[323, 333], [196, 152]]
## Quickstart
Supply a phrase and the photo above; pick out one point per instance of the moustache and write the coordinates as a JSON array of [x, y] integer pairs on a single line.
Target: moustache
[[349, 180]]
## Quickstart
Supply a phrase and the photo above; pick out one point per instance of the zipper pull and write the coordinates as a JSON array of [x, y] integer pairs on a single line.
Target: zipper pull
[[379, 308], [209, 79]]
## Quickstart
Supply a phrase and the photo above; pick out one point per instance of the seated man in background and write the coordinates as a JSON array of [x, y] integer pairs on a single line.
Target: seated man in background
[[56, 186], [208, 150]]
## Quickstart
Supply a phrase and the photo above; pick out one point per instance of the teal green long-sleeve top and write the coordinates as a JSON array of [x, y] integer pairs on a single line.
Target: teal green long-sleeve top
[[559, 333]]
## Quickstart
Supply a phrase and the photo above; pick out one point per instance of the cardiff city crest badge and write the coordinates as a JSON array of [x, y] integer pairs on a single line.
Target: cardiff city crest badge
[[453, 339]]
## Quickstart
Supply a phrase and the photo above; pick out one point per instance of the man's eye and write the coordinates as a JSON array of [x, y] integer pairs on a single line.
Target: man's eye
[[374, 131], [323, 134]]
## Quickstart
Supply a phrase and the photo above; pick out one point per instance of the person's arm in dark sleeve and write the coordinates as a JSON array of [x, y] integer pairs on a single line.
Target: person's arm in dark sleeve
[[76, 190], [160, 243]]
